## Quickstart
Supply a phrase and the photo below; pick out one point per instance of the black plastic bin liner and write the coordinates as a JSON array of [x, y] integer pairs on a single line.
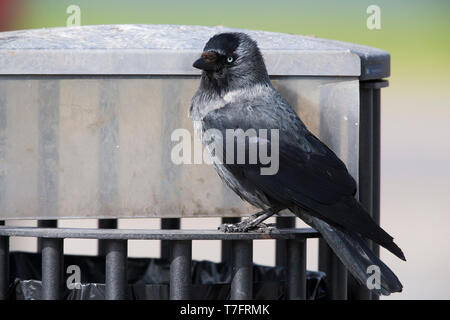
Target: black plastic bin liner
[[149, 279]]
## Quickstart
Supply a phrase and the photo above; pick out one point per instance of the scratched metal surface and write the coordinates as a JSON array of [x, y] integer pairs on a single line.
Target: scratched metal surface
[[81, 147], [170, 49]]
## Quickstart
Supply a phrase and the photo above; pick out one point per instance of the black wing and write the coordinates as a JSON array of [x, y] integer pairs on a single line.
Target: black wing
[[307, 166], [310, 175]]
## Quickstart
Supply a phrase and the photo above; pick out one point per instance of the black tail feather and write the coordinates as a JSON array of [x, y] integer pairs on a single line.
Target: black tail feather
[[348, 214], [354, 253]]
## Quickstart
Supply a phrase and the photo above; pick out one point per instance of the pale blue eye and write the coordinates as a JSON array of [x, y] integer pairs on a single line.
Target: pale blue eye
[[230, 59]]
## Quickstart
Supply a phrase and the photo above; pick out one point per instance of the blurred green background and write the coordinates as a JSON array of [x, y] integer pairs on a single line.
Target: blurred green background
[[415, 195]]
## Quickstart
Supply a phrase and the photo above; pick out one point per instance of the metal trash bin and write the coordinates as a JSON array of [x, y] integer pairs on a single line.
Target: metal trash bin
[[86, 116]]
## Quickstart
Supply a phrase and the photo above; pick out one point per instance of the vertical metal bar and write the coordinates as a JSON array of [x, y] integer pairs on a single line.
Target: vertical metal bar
[[376, 140], [45, 224], [52, 268], [281, 244], [4, 267], [226, 244], [116, 269], [376, 115], [180, 269], [105, 224], [168, 224], [365, 185], [296, 270], [335, 271], [366, 149], [242, 281]]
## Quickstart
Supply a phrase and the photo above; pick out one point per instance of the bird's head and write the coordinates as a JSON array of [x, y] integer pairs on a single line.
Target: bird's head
[[232, 60]]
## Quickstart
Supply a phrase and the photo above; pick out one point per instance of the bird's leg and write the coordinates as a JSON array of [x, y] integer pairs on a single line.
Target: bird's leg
[[254, 222]]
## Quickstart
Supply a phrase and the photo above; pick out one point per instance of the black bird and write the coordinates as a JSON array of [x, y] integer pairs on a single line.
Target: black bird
[[235, 92]]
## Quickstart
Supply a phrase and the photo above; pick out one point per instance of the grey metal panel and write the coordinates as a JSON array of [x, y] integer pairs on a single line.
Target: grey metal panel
[[101, 146], [375, 63], [48, 142], [156, 62], [171, 49]]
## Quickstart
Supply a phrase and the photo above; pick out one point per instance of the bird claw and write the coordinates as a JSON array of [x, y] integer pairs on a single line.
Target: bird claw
[[247, 226], [266, 228], [233, 228]]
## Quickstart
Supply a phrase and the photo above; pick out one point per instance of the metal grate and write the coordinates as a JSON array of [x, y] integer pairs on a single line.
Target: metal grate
[[115, 243]]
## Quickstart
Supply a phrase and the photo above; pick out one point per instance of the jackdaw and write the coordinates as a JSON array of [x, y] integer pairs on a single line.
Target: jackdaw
[[235, 93]]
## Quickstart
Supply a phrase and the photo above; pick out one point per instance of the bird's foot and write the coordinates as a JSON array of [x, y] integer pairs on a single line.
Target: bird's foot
[[248, 225], [266, 228]]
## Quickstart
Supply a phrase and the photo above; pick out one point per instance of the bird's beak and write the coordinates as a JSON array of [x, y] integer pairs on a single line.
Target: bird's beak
[[206, 62]]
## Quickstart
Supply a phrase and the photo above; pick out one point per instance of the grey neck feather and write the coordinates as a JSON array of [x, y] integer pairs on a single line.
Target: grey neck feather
[[251, 72]]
